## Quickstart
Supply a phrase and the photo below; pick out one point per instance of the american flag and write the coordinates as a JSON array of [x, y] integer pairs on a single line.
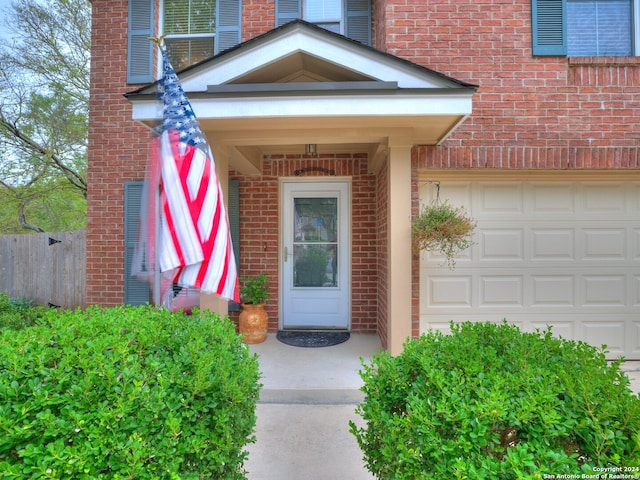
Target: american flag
[[195, 240]]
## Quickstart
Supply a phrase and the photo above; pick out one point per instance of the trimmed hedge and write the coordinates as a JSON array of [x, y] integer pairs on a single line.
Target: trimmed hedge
[[126, 393], [491, 402]]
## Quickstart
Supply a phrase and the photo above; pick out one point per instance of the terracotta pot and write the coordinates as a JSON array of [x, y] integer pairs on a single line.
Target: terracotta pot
[[253, 322]]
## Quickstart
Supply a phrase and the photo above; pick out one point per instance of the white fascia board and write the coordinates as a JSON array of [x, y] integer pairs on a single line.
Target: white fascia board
[[316, 106], [340, 53]]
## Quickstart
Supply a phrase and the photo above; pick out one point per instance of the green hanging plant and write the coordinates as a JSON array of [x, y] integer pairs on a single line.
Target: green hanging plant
[[442, 228]]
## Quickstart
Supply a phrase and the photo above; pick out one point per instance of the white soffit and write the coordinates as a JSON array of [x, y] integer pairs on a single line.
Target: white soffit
[[304, 106]]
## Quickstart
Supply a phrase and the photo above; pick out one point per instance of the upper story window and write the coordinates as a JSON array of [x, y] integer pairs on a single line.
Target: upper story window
[[351, 18], [586, 28], [189, 26], [197, 29], [599, 28], [194, 29], [326, 13]]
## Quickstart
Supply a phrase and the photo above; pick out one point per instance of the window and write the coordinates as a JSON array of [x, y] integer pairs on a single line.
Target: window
[[195, 29], [351, 18], [189, 26], [581, 28], [325, 13], [599, 28]]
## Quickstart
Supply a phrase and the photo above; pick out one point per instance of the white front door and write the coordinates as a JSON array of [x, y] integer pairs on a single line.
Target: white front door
[[315, 255]]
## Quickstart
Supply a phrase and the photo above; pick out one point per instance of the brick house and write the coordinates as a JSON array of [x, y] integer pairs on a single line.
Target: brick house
[[332, 121]]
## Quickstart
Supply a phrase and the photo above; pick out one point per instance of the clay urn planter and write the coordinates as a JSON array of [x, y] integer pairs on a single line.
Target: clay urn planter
[[254, 320]]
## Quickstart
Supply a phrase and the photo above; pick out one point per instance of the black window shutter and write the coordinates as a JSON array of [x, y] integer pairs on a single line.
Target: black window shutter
[[549, 22], [135, 291], [228, 24], [233, 211], [139, 48], [288, 10], [358, 21]]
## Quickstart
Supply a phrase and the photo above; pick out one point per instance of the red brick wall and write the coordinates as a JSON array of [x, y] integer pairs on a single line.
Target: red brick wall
[[415, 264], [259, 227], [529, 112], [378, 25], [382, 222], [364, 249], [258, 17], [117, 153]]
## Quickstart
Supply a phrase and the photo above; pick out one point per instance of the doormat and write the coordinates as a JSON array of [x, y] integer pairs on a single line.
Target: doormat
[[297, 338]]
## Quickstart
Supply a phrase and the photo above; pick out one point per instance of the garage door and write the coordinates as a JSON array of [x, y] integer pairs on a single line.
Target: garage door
[[564, 254]]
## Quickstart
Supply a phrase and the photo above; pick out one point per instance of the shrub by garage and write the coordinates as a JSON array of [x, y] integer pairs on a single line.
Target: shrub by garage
[[489, 401], [126, 393]]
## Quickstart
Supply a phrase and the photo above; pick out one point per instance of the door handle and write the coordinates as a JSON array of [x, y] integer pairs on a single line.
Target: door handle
[[286, 253]]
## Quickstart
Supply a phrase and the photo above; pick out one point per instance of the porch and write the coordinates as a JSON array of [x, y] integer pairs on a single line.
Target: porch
[[300, 88]]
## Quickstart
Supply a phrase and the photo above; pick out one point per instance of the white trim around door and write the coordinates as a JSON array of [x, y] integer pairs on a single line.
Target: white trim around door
[[315, 254]]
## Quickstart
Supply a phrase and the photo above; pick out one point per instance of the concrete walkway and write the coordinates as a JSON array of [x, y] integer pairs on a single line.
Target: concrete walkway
[[308, 398]]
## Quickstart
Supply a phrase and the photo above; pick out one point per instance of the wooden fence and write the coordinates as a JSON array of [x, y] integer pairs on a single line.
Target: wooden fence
[[47, 268]]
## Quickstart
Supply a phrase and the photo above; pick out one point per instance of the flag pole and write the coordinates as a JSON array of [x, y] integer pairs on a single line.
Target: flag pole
[[156, 249], [157, 283]]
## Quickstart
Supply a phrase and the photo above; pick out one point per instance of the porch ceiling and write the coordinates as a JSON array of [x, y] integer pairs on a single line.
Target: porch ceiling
[[300, 84]]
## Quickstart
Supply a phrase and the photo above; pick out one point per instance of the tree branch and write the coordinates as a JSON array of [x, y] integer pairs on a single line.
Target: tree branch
[[23, 220], [73, 177]]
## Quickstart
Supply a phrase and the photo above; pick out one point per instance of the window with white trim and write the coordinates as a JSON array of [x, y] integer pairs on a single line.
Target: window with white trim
[[324, 13], [599, 28], [351, 18], [194, 29], [586, 28], [189, 26]]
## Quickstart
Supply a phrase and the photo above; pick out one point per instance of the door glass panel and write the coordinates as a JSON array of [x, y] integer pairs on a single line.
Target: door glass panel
[[315, 242]]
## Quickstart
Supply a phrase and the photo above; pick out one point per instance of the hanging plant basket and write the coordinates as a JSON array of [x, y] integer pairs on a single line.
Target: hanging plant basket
[[439, 227]]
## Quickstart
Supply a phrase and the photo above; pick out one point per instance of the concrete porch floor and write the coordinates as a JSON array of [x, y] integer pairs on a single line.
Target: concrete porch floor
[[308, 397]]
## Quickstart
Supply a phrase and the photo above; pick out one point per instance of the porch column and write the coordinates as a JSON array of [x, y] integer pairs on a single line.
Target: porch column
[[399, 243], [214, 302]]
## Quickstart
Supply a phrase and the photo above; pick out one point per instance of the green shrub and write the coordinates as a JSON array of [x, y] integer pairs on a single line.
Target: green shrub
[[126, 393], [18, 313], [491, 402]]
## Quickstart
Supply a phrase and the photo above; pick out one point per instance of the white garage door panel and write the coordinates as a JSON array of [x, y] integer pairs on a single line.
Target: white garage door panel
[[552, 244], [604, 243], [635, 291], [635, 241], [562, 254], [502, 244], [552, 290]]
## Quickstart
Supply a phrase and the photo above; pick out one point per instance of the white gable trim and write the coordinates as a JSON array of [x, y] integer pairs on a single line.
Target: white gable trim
[[332, 49]]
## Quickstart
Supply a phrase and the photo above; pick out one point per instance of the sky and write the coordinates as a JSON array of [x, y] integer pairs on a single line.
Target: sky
[[5, 6]]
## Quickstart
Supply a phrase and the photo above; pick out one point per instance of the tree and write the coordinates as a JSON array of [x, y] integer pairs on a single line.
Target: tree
[[44, 101]]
